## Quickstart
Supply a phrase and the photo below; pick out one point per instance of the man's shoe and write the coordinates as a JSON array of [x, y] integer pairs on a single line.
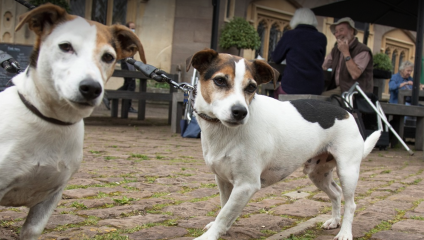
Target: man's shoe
[[107, 103], [132, 110]]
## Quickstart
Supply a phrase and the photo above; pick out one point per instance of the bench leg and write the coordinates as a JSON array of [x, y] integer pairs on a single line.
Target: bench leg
[[419, 134], [395, 124], [114, 108], [142, 103], [125, 107]]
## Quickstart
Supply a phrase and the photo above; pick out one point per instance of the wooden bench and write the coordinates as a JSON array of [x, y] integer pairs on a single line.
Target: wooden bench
[[408, 93], [141, 95], [399, 111], [177, 111]]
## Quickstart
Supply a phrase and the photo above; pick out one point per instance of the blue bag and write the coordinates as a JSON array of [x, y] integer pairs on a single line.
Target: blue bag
[[190, 130]]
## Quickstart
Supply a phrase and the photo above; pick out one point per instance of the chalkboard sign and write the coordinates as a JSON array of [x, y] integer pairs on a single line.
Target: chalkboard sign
[[21, 54]]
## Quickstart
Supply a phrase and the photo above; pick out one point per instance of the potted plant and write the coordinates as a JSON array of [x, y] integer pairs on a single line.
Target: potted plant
[[382, 66], [240, 34]]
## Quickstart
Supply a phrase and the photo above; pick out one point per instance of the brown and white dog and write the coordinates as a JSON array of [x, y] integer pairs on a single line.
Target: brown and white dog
[[41, 127], [251, 141]]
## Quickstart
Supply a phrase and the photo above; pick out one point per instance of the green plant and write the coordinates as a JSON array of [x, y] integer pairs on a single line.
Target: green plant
[[124, 200], [61, 3], [382, 61], [240, 34]]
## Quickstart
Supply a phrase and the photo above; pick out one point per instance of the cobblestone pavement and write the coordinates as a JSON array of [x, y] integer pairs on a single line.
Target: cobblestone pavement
[[140, 181]]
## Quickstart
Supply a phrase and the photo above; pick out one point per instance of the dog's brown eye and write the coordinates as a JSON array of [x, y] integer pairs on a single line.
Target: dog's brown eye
[[66, 47], [220, 81], [107, 58], [251, 88]]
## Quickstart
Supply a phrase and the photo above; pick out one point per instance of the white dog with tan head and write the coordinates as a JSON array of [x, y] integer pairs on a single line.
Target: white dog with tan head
[[251, 141], [41, 127]]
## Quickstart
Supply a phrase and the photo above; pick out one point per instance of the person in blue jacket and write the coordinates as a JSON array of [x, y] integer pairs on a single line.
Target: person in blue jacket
[[401, 81], [303, 48]]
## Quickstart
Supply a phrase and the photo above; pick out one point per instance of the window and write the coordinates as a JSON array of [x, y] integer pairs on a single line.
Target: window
[[401, 58], [229, 10], [119, 12], [105, 11], [274, 36], [261, 32], [394, 56], [77, 7], [99, 11], [270, 31]]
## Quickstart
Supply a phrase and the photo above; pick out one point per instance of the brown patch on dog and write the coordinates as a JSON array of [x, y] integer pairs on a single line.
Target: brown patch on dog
[[42, 20], [329, 158], [223, 65], [248, 79]]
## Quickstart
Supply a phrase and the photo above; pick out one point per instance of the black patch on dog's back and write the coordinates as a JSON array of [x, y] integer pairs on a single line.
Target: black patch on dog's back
[[322, 112]]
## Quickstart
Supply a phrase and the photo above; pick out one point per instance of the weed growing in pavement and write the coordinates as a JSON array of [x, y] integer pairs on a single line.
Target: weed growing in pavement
[[108, 158], [109, 236], [159, 194], [268, 232], [139, 156], [308, 235], [417, 218], [124, 200], [194, 232], [151, 179], [159, 157], [94, 152], [78, 205], [208, 185]]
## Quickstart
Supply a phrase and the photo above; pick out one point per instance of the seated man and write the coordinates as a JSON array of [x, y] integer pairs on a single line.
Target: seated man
[[350, 60]]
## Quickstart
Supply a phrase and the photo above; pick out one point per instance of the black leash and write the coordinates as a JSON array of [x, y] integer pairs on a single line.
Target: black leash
[[26, 4]]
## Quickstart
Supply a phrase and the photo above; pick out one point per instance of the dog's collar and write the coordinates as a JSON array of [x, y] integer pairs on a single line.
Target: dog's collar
[[39, 114], [206, 117]]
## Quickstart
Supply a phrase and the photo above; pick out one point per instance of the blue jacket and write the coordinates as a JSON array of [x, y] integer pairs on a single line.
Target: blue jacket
[[394, 83], [304, 49]]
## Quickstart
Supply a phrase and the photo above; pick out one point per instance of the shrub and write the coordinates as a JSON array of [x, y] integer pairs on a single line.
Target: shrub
[[382, 61], [240, 34]]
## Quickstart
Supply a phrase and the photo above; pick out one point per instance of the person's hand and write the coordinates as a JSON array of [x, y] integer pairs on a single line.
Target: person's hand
[[343, 46], [406, 83]]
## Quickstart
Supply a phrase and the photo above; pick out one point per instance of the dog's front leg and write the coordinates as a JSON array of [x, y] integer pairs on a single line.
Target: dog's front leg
[[239, 197], [38, 216], [225, 189]]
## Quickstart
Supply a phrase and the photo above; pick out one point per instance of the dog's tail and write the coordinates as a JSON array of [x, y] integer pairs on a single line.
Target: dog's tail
[[370, 142]]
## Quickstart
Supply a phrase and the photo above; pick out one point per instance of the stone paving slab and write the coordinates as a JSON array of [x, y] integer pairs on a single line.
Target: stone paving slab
[[140, 181]]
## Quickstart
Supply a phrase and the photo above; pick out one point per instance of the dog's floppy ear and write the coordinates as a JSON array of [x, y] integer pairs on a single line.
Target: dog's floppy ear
[[42, 18], [128, 42], [201, 60], [265, 73]]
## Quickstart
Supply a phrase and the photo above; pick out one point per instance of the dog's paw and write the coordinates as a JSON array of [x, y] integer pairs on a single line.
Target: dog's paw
[[209, 225], [331, 223], [206, 236], [343, 236]]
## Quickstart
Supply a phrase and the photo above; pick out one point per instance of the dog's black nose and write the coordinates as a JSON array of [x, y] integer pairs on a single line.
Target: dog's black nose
[[239, 112], [90, 89]]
